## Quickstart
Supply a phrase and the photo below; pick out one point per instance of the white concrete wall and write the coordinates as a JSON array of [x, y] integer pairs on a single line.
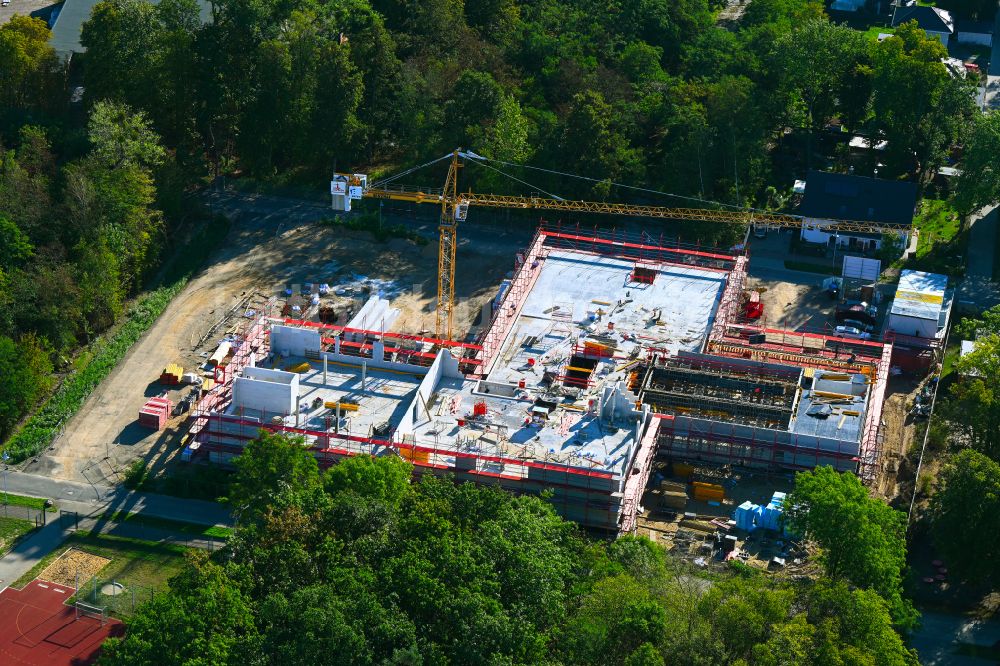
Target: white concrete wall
[[269, 375], [444, 365], [289, 340], [374, 315], [375, 362], [265, 392], [921, 328]]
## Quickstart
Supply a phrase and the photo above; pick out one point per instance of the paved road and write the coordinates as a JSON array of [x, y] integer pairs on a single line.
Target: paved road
[[29, 552], [989, 95], [90, 502], [978, 291], [85, 498], [941, 637]]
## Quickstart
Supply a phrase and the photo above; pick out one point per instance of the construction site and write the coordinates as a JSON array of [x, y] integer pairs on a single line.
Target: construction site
[[602, 355]]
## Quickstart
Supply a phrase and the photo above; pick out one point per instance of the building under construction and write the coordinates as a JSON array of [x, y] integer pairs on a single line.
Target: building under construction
[[601, 353]]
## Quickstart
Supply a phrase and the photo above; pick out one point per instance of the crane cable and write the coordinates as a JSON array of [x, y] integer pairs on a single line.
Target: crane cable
[[477, 158], [504, 173], [384, 181]]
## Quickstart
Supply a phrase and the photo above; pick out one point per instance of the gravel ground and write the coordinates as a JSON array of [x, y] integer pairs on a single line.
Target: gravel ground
[[73, 565]]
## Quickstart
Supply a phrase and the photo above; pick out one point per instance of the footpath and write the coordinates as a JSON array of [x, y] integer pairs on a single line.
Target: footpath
[[82, 507]]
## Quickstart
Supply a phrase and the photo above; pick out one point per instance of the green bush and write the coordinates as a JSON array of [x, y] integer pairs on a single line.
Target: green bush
[[136, 475]]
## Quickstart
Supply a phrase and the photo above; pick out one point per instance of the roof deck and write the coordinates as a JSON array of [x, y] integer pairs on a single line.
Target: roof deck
[[583, 297]]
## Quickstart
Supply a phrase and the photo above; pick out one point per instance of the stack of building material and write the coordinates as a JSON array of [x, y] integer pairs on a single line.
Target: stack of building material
[[155, 412], [747, 516], [707, 492], [770, 518], [172, 374], [220, 354], [673, 496]]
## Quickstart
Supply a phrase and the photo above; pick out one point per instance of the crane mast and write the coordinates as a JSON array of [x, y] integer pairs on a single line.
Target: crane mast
[[452, 211]]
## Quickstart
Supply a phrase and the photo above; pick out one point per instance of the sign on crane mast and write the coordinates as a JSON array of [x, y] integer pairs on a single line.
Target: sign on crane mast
[[344, 187]]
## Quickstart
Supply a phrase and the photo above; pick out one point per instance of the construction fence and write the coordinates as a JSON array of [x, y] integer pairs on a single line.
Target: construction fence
[[37, 516], [119, 598]]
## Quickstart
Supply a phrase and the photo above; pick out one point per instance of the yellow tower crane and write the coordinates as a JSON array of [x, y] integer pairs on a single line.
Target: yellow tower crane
[[455, 205]]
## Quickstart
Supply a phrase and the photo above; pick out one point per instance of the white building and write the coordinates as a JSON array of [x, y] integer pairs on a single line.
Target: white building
[[935, 22], [921, 306], [836, 196]]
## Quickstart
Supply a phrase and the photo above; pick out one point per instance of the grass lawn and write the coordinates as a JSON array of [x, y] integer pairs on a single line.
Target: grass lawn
[[213, 532], [874, 31], [951, 356], [941, 244], [142, 564], [21, 500], [11, 529]]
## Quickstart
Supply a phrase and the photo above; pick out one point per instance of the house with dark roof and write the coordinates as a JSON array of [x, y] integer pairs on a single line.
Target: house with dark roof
[[935, 22], [837, 196]]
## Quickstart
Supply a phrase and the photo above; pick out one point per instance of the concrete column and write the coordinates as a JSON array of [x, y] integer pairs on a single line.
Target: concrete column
[[324, 369], [364, 375], [336, 344]]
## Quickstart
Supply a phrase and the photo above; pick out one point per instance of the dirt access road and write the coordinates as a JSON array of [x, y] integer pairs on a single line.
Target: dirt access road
[[274, 242]]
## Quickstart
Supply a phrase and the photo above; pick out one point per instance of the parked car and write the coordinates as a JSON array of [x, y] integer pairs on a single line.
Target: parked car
[[858, 311], [861, 326], [852, 332]]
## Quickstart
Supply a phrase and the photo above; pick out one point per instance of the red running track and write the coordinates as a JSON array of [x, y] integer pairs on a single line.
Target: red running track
[[38, 628]]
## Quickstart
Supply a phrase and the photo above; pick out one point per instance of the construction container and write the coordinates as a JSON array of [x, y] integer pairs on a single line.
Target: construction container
[[707, 492], [172, 374], [155, 413]]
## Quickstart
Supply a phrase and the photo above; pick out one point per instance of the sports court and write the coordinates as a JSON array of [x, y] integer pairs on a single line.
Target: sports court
[[37, 627]]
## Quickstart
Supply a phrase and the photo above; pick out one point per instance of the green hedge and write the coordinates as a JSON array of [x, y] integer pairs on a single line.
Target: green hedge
[[39, 431]]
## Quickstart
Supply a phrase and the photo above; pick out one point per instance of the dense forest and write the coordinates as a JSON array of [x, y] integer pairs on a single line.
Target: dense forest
[[98, 150], [357, 565]]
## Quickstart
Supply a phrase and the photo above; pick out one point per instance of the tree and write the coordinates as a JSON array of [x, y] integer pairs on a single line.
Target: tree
[[863, 539], [979, 184], [965, 516], [25, 372], [473, 104], [121, 137], [988, 323], [121, 41], [15, 248], [973, 409], [31, 72], [269, 465], [204, 619], [385, 481], [594, 146], [918, 107]]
